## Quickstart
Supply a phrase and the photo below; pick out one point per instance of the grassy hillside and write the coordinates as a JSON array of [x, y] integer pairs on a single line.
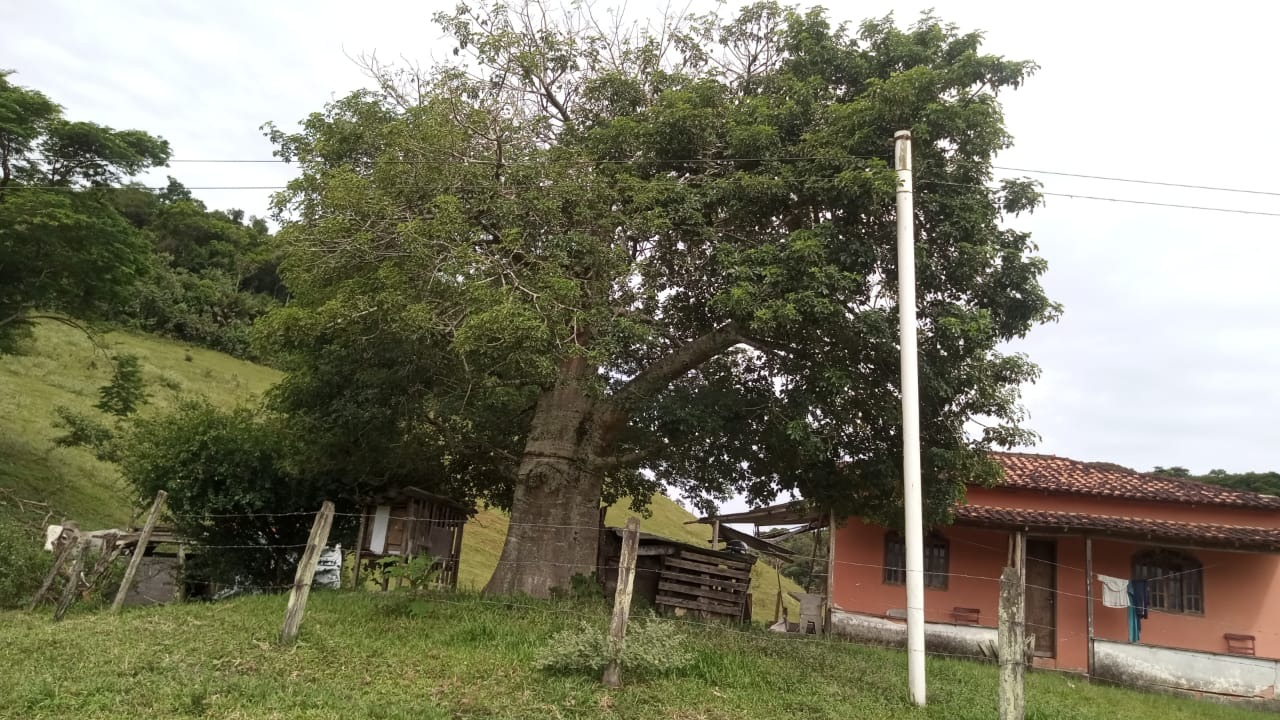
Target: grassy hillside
[[61, 367], [370, 655]]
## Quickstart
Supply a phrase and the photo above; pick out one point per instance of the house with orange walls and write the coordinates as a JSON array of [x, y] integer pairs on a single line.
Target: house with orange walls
[[1210, 558]]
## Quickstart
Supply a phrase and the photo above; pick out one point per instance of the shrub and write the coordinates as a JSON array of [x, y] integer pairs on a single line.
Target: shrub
[[24, 563], [652, 647], [84, 431], [419, 571], [229, 485]]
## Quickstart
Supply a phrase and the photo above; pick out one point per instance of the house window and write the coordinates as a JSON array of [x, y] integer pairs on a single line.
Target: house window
[[937, 560], [895, 559], [1175, 580]]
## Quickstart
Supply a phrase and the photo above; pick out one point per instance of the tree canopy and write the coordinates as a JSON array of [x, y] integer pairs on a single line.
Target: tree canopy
[[1267, 483], [62, 246], [589, 260]]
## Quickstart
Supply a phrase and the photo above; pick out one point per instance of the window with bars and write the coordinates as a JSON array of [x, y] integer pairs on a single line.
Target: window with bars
[[937, 560], [1175, 580]]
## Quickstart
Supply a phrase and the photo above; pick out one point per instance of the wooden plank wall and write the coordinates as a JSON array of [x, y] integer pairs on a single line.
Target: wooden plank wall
[[710, 585]]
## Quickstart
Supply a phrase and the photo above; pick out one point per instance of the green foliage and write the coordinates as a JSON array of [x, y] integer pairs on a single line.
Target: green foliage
[[73, 242], [227, 474], [809, 568], [419, 571], [653, 647], [207, 309], [127, 391], [211, 273], [66, 248], [583, 588], [1267, 483], [80, 430], [24, 560], [695, 249]]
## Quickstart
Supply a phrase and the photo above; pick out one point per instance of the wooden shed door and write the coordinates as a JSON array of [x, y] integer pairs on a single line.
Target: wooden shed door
[[1041, 610]]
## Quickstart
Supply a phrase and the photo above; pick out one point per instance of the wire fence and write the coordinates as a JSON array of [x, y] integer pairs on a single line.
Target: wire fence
[[939, 616]]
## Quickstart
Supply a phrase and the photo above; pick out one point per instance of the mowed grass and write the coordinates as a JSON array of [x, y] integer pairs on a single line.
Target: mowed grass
[[386, 656], [61, 367]]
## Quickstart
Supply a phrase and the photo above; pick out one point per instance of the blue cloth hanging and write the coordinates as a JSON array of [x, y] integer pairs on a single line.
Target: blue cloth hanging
[[1137, 608]]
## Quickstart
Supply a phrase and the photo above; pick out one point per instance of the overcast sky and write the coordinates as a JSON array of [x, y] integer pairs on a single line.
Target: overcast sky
[[1169, 349]]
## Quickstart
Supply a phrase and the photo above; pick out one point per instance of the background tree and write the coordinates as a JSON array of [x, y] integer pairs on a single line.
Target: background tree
[[62, 246], [1267, 483], [210, 275], [126, 391], [587, 251]]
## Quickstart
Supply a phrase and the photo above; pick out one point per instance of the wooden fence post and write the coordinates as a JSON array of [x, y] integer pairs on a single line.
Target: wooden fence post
[[106, 556], [622, 600], [306, 574], [1012, 647], [139, 550], [60, 555], [355, 572], [73, 582]]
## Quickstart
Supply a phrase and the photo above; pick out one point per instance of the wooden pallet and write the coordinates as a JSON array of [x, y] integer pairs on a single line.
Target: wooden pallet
[[708, 583]]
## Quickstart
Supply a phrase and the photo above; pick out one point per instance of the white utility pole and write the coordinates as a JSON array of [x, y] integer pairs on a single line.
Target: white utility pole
[[911, 496]]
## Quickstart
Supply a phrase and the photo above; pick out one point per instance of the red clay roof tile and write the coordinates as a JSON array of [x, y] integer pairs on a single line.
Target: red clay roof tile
[[1049, 473], [1201, 534]]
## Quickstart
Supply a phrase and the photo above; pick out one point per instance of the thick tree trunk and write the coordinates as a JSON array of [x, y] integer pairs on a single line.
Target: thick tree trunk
[[555, 513]]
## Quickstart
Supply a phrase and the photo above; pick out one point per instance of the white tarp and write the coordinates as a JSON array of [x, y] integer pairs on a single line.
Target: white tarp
[[329, 569]]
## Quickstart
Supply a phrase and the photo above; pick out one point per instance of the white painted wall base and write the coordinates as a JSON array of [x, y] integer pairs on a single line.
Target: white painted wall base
[[1230, 677], [967, 640], [1186, 670]]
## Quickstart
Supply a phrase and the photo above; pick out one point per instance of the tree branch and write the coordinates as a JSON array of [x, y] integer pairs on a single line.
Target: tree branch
[[653, 379], [609, 464]]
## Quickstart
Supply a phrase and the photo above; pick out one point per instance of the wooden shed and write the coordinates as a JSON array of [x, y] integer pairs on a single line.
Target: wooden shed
[[681, 578], [411, 522]]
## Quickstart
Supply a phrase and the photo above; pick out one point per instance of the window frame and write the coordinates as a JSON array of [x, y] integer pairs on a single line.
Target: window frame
[[937, 560], [1175, 580]]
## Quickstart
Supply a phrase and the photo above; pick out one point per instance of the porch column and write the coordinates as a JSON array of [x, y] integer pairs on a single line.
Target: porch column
[[1088, 598]]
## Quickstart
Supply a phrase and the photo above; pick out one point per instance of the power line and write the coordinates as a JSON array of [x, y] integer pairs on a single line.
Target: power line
[[1110, 178], [1161, 204], [1128, 201], [794, 158], [544, 186]]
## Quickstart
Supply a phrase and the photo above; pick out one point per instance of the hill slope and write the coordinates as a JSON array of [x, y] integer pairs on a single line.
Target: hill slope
[[369, 655], [62, 368]]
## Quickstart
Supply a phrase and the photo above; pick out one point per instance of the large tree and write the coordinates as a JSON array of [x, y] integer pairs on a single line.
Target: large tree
[[62, 244], [590, 260]]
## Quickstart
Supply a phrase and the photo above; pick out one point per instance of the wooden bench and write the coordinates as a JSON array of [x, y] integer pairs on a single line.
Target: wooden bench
[[966, 616], [1240, 644]]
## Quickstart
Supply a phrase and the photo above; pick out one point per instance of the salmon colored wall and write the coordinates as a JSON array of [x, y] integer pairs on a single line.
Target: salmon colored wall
[[1241, 595], [1242, 590], [1031, 500]]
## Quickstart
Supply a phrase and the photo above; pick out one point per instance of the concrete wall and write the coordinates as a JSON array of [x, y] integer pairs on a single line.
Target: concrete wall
[[155, 583], [1241, 590], [1185, 670], [940, 638]]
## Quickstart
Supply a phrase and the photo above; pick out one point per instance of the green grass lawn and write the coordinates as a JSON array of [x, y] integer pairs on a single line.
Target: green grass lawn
[[371, 655], [61, 367]]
